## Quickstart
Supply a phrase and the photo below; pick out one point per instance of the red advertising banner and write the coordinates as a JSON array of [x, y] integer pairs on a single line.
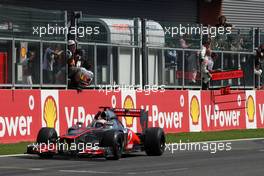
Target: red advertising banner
[[24, 112], [82, 106], [231, 74], [20, 117], [223, 112], [168, 109], [259, 106]]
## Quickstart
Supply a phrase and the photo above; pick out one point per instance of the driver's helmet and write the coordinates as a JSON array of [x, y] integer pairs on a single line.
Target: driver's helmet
[[99, 123]]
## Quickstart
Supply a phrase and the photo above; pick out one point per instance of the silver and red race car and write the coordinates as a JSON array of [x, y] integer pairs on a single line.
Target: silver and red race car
[[105, 137]]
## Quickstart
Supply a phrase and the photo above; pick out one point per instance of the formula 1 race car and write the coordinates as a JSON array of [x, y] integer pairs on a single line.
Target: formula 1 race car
[[105, 137]]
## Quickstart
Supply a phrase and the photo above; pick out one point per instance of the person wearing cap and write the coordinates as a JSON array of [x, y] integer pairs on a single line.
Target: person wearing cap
[[72, 46], [78, 75], [72, 69], [71, 52]]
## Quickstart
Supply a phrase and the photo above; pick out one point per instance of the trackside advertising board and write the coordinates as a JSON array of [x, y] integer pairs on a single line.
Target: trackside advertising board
[[20, 115], [24, 112], [223, 112], [168, 110], [259, 106]]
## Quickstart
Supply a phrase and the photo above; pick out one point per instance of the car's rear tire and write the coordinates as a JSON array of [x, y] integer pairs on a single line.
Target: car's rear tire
[[154, 142], [46, 136]]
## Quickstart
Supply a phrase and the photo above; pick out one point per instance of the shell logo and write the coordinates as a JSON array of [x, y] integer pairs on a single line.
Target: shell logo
[[50, 112], [250, 108], [195, 110], [129, 103]]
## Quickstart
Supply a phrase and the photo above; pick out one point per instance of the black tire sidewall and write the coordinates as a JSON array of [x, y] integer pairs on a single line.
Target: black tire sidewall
[[47, 135], [154, 141], [114, 140], [118, 147]]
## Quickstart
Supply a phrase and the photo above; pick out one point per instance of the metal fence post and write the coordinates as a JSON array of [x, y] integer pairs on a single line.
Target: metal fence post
[[13, 62], [136, 51], [183, 69], [144, 53], [163, 66], [253, 39], [41, 63], [222, 65], [95, 65], [239, 67], [111, 65]]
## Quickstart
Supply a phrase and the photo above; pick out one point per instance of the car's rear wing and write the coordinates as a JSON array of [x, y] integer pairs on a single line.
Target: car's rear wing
[[125, 112]]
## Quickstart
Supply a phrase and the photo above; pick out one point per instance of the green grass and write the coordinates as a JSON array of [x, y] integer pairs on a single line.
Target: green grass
[[214, 136], [19, 148]]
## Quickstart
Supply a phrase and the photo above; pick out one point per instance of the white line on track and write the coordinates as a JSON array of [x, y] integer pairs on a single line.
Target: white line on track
[[36, 169], [10, 167], [125, 173], [21, 168], [158, 171], [86, 171], [13, 155], [97, 172]]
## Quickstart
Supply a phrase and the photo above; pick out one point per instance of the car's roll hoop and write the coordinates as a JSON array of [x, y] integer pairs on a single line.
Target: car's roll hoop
[[125, 112]]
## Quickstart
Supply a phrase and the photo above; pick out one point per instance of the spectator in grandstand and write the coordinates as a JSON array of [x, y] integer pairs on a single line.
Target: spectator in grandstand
[[208, 68], [205, 72], [193, 66], [190, 61], [223, 41], [60, 67], [206, 46], [222, 22], [79, 76], [28, 68], [259, 66], [211, 61], [48, 66], [238, 43], [183, 42], [70, 57], [171, 58], [85, 61]]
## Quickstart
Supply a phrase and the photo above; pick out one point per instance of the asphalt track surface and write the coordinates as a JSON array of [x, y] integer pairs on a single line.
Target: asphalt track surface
[[244, 159]]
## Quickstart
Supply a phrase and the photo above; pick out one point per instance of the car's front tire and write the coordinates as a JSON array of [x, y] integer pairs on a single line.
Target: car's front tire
[[117, 150], [113, 140], [46, 136], [154, 142]]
